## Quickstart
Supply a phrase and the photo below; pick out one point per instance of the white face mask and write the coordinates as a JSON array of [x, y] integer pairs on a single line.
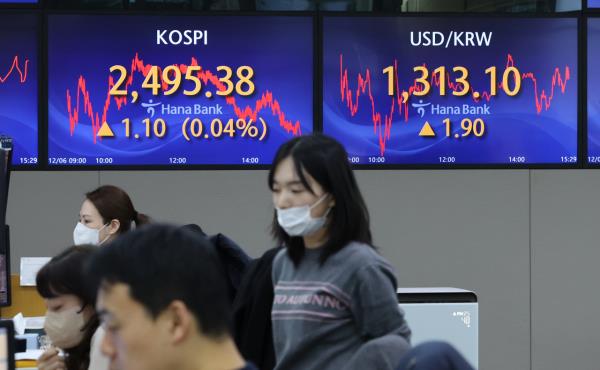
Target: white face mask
[[65, 328], [297, 221], [86, 235]]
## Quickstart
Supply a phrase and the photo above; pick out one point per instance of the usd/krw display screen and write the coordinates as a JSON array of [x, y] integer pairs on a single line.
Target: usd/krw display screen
[[185, 90], [19, 85], [476, 91], [593, 92]]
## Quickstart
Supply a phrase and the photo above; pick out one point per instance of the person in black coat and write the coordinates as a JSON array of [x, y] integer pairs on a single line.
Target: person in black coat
[[252, 330], [234, 261]]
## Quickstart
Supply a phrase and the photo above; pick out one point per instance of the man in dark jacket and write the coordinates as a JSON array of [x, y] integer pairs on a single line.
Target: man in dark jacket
[[156, 314]]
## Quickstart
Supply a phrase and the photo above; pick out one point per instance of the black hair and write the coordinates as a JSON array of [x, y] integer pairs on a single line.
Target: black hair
[[113, 203], [64, 274], [326, 161], [161, 264]]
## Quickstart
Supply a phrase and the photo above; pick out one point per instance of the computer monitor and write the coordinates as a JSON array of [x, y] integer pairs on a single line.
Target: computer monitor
[[6, 146], [443, 314], [5, 292], [5, 160], [7, 349]]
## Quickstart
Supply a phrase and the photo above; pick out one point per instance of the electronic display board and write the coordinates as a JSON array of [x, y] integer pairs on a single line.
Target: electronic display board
[[177, 90], [19, 85], [452, 90]]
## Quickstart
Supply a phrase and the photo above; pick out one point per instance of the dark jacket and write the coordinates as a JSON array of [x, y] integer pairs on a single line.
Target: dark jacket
[[252, 328], [234, 260]]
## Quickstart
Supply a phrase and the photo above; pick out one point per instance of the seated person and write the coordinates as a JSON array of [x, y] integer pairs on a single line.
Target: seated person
[[161, 297], [71, 320], [106, 213]]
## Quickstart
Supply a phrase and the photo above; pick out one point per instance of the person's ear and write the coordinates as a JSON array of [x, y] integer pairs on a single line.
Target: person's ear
[[178, 320], [114, 226]]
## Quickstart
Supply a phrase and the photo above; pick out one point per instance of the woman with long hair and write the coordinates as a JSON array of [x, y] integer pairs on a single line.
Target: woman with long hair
[[335, 295]]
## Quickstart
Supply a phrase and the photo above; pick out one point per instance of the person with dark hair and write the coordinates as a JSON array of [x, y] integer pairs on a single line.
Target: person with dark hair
[[105, 213], [162, 299], [71, 320], [335, 296]]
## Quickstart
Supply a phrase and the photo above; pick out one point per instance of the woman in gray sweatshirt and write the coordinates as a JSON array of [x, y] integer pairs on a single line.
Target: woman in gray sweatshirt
[[335, 303]]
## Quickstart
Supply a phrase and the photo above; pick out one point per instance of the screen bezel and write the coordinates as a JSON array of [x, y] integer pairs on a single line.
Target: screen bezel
[[584, 37]]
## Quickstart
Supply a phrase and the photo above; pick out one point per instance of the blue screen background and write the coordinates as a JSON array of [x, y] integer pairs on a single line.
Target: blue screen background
[[19, 85]]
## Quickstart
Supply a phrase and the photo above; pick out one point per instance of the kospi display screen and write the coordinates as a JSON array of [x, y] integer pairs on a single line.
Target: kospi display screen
[[177, 90], [19, 85], [593, 91], [450, 91]]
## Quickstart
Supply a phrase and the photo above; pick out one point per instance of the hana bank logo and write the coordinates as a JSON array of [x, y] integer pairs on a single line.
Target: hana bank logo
[[420, 107], [150, 107], [464, 316]]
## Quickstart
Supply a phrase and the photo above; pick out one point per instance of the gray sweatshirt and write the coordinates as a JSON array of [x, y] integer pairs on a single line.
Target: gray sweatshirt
[[324, 315]]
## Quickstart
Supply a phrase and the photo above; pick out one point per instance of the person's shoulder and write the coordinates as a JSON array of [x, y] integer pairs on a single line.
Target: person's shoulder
[[281, 256], [360, 255], [359, 252]]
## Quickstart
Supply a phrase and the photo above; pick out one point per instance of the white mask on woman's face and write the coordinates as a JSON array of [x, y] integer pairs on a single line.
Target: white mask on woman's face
[[65, 328], [87, 235], [297, 221]]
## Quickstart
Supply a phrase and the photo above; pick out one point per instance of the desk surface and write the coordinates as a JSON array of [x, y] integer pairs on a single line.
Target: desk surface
[[26, 365]]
